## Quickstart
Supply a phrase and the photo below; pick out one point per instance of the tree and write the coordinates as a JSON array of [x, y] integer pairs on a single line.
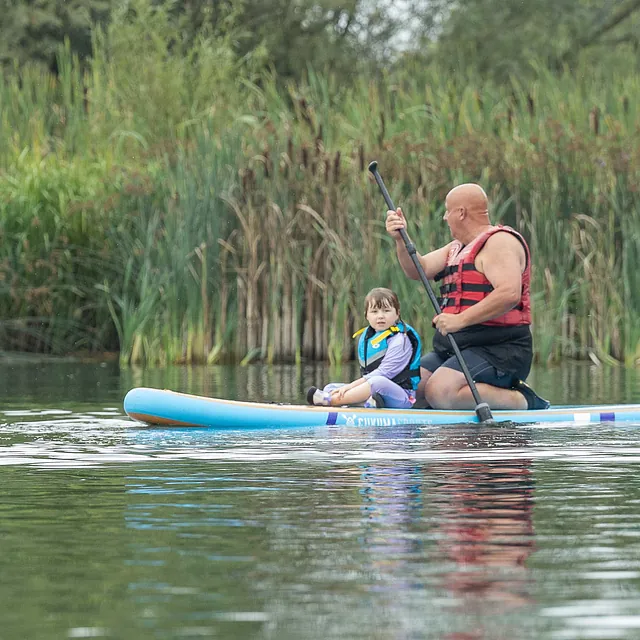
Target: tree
[[618, 26], [32, 30], [287, 35], [497, 38], [342, 35]]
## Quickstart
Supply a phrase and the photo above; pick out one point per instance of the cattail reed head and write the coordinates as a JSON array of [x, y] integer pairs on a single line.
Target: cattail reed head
[[531, 105], [594, 120]]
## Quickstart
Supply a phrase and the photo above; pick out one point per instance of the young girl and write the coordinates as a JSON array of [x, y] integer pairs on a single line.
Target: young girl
[[389, 353]]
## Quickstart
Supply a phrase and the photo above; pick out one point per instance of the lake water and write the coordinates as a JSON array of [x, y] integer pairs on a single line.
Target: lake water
[[453, 533]]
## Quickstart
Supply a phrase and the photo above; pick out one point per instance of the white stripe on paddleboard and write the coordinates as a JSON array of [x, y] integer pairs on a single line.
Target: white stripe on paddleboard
[[582, 418]]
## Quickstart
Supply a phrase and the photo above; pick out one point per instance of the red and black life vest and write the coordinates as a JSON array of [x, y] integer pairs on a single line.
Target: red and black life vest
[[463, 285]]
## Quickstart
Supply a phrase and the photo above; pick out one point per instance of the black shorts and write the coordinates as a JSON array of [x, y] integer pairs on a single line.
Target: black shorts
[[479, 368]]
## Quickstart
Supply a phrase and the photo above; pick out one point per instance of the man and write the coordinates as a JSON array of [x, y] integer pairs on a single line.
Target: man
[[485, 273]]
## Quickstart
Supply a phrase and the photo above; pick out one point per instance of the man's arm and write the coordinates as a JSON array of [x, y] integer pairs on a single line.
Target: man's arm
[[432, 262]]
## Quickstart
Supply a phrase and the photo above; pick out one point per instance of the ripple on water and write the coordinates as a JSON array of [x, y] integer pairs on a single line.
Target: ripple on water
[[50, 438]]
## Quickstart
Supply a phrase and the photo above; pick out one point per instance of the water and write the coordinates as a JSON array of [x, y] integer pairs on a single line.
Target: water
[[451, 533]]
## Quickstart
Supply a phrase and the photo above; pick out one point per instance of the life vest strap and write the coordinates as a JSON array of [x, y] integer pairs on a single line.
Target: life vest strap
[[465, 302], [405, 376], [445, 289], [385, 334], [447, 271]]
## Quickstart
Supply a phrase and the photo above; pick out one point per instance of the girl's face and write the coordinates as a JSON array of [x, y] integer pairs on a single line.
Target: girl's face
[[381, 318]]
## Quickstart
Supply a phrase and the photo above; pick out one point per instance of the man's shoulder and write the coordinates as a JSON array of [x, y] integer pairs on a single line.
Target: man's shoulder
[[500, 248], [503, 239]]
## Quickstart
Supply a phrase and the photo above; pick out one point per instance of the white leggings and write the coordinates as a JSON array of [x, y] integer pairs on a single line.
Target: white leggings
[[395, 397]]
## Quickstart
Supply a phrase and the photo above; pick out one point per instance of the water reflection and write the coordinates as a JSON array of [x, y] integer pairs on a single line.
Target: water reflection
[[487, 531], [319, 533], [72, 385], [567, 383], [473, 520]]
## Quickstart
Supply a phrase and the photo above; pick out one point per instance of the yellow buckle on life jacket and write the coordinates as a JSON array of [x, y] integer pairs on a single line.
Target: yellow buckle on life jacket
[[385, 334]]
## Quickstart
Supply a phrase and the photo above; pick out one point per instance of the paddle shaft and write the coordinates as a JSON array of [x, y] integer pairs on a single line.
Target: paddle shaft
[[482, 408]]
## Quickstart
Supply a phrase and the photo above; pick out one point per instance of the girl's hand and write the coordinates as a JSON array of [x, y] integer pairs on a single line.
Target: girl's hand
[[338, 394]]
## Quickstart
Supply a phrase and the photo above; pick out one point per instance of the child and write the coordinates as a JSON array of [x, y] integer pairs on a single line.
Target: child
[[389, 354]]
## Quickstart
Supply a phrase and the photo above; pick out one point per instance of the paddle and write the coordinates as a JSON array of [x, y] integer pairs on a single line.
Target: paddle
[[482, 408]]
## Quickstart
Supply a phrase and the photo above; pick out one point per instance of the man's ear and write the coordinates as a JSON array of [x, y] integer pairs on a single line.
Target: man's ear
[[462, 212]]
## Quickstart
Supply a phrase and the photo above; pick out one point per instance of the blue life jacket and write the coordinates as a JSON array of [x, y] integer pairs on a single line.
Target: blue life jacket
[[372, 347]]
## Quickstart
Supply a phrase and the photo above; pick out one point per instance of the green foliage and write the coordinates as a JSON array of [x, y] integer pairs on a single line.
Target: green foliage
[[500, 39], [493, 38], [32, 31], [185, 207], [285, 35], [147, 86], [53, 233]]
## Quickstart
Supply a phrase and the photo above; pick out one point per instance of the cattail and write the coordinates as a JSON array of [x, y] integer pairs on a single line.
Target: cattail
[[594, 120], [288, 159], [531, 105], [319, 145], [304, 112], [267, 163]]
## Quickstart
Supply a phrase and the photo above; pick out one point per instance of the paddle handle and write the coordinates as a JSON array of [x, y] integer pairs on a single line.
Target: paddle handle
[[482, 408]]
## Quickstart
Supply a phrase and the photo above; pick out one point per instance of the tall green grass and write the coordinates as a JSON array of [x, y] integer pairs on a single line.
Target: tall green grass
[[181, 208]]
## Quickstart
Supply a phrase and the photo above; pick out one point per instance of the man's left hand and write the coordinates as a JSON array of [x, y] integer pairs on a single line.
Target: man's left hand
[[449, 323]]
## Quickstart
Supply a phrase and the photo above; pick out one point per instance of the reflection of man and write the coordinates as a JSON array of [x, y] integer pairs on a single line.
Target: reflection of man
[[488, 531], [465, 524], [485, 273]]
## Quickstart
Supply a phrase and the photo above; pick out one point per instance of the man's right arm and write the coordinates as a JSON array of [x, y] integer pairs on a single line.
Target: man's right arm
[[432, 263]]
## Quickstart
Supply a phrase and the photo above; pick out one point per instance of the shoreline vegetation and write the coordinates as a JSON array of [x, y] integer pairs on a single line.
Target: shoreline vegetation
[[192, 210]]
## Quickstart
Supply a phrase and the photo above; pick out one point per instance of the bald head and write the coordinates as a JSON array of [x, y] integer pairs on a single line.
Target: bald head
[[471, 197]]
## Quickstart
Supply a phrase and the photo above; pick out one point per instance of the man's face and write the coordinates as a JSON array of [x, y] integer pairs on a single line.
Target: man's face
[[453, 216]]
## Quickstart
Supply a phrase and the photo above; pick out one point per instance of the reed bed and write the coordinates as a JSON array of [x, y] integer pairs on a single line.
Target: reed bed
[[215, 216]]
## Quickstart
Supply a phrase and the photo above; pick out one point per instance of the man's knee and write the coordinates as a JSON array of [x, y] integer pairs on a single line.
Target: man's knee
[[442, 389], [425, 374], [436, 395]]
